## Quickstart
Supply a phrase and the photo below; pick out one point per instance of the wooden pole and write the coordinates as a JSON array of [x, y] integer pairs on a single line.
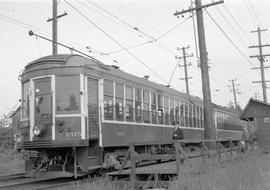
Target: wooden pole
[[209, 129], [133, 166], [54, 27]]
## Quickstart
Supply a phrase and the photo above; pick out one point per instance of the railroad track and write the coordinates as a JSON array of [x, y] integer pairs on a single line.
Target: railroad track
[[12, 176], [36, 184], [21, 182]]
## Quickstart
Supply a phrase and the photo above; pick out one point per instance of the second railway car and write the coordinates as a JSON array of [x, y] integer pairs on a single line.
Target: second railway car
[[79, 113]]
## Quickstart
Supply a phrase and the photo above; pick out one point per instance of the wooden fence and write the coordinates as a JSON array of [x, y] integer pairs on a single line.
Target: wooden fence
[[211, 149]]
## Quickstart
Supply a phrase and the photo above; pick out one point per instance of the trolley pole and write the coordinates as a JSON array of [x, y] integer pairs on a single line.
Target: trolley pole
[[54, 27], [210, 132]]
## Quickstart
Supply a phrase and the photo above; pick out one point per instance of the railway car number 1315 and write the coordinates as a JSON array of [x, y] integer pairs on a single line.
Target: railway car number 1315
[[73, 134]]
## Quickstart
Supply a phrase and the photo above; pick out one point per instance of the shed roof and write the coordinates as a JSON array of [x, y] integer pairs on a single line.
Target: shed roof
[[255, 109]]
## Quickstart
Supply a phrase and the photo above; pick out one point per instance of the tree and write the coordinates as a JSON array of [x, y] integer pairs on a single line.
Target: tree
[[4, 121]]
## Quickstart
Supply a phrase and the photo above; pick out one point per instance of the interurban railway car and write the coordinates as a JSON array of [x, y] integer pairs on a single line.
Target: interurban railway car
[[79, 112]]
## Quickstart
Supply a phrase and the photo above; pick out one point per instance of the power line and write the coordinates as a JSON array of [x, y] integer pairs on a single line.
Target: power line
[[140, 31], [152, 41], [254, 12], [127, 28], [244, 56], [121, 20], [233, 29], [131, 54], [250, 12], [30, 27], [234, 19]]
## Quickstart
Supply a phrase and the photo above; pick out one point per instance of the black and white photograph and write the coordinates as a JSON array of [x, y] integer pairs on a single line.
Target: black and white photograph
[[135, 94]]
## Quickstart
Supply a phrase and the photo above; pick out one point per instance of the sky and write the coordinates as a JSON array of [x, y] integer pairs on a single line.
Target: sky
[[141, 37]]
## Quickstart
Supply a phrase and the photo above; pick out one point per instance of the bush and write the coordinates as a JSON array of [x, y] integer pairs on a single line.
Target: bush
[[249, 171]]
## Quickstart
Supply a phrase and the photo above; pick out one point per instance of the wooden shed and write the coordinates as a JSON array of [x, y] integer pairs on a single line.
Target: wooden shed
[[259, 112]]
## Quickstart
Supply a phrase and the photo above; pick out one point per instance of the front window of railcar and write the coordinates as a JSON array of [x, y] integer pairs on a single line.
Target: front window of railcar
[[25, 100], [43, 101], [67, 94]]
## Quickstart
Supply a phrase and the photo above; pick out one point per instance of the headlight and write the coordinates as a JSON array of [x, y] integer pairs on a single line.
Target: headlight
[[37, 130]]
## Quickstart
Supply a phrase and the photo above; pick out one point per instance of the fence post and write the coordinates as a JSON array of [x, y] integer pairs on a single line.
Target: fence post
[[177, 156], [218, 150], [133, 166], [203, 152], [231, 147]]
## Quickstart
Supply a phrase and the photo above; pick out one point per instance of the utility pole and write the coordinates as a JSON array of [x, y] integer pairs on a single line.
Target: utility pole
[[234, 90], [256, 96], [54, 26], [186, 78], [261, 59], [209, 129]]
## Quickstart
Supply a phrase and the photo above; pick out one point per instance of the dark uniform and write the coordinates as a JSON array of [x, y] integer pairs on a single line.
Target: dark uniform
[[177, 132]]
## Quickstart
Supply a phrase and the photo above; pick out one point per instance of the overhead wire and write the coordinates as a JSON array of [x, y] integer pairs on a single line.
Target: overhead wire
[[230, 40], [234, 19], [121, 20], [250, 12], [30, 27], [232, 28], [254, 12], [122, 26], [140, 31], [153, 40], [104, 32]]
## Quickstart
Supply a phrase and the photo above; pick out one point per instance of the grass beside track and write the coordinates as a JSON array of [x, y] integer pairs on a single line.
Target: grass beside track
[[249, 171], [10, 162]]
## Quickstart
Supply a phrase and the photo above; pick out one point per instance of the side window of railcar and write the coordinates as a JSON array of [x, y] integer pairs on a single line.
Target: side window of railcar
[[182, 119], [119, 101], [154, 107], [25, 100], [190, 114], [193, 115], [176, 108], [67, 94], [201, 117], [198, 116], [138, 105], [171, 110], [129, 103], [160, 109], [186, 116], [146, 111], [108, 99], [166, 110]]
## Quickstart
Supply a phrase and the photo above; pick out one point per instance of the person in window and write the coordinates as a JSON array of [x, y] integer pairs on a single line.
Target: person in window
[[39, 100], [177, 132], [72, 103]]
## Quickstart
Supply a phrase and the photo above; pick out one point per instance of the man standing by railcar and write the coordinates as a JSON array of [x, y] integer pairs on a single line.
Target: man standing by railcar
[[177, 132]]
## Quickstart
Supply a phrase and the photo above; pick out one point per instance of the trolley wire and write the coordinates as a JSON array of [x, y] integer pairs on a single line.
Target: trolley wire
[[119, 44], [140, 31], [232, 28], [250, 12], [112, 20], [234, 45]]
